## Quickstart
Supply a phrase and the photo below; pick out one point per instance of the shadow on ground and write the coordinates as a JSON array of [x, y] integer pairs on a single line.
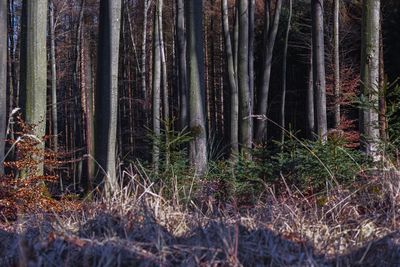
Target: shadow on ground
[[109, 240]]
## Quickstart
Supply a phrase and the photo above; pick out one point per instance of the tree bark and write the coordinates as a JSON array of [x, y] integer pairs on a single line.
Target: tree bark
[[270, 32], [156, 86], [284, 71], [336, 61], [143, 66], [234, 96], [182, 65], [35, 70], [318, 51], [107, 91], [3, 80], [198, 146], [53, 78], [370, 76], [310, 101], [245, 133]]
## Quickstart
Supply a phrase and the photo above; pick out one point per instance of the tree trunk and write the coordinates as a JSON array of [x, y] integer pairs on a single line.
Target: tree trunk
[[370, 76], [107, 91], [284, 71], [35, 70], [310, 101], [252, 4], [245, 136], [318, 52], [270, 32], [234, 97], [156, 86], [182, 66], [3, 80], [53, 78], [198, 146], [336, 62], [144, 48]]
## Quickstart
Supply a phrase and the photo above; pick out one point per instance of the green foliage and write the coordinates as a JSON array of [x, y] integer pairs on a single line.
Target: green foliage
[[315, 164], [393, 116]]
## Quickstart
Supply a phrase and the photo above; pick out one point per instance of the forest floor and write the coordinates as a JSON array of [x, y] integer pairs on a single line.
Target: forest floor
[[137, 226]]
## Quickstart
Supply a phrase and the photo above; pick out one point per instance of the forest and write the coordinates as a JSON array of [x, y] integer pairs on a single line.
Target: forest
[[199, 133]]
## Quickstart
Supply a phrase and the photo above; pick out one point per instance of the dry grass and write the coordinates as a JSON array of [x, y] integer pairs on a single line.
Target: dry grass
[[355, 226]]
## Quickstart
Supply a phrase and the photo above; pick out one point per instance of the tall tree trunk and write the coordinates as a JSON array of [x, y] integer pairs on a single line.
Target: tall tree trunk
[[284, 71], [143, 66], [234, 96], [245, 136], [318, 51], [310, 101], [270, 32], [182, 66], [336, 61], [35, 70], [198, 146], [53, 78], [3, 80], [156, 86], [382, 93], [252, 4], [370, 76], [107, 91]]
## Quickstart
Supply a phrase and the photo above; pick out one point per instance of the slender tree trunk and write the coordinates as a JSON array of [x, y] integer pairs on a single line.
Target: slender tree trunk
[[107, 91], [318, 50], [182, 66], [198, 147], [370, 76], [336, 61], [284, 71], [144, 48], [3, 80], [236, 40], [53, 78], [252, 4], [35, 70], [310, 101], [234, 96], [156, 88], [245, 137], [270, 35], [382, 93]]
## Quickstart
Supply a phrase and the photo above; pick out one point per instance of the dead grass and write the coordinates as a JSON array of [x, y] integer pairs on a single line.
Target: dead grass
[[137, 226]]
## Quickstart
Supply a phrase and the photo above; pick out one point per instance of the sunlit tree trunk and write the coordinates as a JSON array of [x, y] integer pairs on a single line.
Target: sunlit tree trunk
[[310, 101], [370, 76], [107, 91], [143, 67], [318, 52], [35, 69], [198, 146], [3, 80]]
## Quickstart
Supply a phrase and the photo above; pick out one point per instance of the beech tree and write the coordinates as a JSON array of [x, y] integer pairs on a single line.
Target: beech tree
[[107, 91], [34, 68], [245, 132], [232, 78], [319, 80], [369, 122], [271, 23], [198, 147], [3, 80]]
